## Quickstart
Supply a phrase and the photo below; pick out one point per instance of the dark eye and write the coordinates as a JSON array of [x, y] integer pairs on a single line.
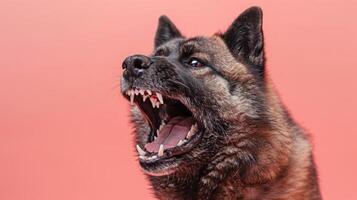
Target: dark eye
[[194, 62]]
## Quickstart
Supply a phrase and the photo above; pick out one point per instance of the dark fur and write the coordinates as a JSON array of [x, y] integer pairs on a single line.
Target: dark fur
[[250, 148]]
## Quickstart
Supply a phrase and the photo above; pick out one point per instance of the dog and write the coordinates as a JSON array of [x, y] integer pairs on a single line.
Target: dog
[[208, 123]]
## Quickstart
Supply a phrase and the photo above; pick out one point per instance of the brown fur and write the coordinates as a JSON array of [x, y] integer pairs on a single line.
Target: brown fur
[[251, 148]]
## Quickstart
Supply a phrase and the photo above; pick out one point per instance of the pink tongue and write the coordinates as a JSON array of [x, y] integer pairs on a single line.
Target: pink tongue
[[171, 134]]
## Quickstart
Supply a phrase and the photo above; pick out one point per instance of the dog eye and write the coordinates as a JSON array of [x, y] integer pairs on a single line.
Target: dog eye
[[194, 62]]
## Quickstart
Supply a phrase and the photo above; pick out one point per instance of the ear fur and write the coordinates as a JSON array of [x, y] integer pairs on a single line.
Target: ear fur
[[244, 38], [166, 31]]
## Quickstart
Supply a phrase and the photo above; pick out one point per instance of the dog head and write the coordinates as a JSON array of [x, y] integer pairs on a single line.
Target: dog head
[[189, 93]]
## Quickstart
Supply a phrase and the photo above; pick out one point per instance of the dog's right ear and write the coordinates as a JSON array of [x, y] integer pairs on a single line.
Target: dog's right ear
[[166, 31], [244, 38]]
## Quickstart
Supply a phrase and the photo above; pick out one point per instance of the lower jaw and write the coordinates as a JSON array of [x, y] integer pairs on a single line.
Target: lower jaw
[[161, 167], [170, 161]]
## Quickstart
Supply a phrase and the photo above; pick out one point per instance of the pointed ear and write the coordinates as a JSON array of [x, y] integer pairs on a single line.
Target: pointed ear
[[166, 31], [244, 37]]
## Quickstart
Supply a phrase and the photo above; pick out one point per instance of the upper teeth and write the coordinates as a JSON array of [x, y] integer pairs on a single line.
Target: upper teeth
[[159, 96], [153, 102], [132, 98], [155, 98]]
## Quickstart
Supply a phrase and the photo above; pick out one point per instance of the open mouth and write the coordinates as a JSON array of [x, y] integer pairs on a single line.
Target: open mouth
[[173, 129]]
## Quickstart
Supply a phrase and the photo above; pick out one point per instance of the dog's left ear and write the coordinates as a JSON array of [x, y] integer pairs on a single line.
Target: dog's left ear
[[166, 31], [244, 38]]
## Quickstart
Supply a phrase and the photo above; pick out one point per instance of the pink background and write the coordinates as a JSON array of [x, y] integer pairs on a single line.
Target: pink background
[[64, 131]]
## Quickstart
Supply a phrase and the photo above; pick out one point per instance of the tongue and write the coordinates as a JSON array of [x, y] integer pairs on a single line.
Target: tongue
[[171, 133]]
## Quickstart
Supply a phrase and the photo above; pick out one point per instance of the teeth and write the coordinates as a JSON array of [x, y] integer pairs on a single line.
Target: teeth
[[158, 132], [132, 97], [161, 150], [194, 128], [180, 143], [189, 134], [148, 158], [145, 97], [142, 92], [152, 157], [156, 100], [153, 102], [159, 96], [140, 151], [192, 131]]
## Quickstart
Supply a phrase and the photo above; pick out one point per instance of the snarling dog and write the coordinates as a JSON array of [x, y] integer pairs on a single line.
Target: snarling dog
[[208, 123]]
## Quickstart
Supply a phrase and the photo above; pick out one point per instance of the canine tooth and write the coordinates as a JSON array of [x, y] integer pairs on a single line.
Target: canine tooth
[[180, 143], [158, 132], [143, 157], [157, 104], [136, 91], [145, 97], [161, 150], [132, 98], [149, 92], [153, 102], [159, 96], [141, 92], [140, 151]]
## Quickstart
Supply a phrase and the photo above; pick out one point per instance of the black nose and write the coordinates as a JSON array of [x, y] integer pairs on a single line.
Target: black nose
[[135, 66]]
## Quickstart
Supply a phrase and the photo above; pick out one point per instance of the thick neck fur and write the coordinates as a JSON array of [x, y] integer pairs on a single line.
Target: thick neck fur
[[256, 163]]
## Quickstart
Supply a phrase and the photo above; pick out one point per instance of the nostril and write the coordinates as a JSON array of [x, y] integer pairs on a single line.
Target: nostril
[[138, 72], [141, 62], [135, 66], [138, 63]]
